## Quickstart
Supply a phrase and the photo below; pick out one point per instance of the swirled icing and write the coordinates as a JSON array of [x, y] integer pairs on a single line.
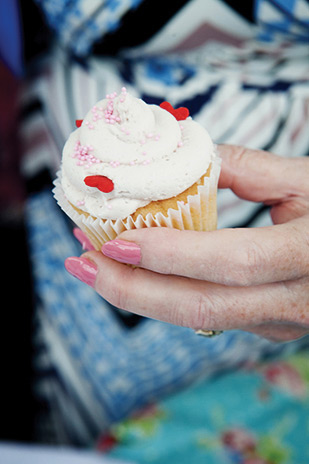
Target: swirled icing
[[143, 149]]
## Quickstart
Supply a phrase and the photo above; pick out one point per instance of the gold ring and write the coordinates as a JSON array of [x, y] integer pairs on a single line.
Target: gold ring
[[208, 333]]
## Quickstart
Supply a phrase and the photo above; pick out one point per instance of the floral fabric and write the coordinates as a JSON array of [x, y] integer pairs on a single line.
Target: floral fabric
[[256, 415]]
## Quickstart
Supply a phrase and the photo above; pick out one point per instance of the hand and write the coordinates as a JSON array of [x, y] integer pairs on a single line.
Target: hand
[[251, 279]]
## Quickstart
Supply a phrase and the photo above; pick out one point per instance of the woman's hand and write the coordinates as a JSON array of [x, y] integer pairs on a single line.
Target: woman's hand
[[251, 279]]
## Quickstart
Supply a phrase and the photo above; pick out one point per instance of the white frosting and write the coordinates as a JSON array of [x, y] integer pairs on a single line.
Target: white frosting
[[142, 148]]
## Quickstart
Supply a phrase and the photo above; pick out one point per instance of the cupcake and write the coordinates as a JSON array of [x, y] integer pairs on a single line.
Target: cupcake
[[131, 165]]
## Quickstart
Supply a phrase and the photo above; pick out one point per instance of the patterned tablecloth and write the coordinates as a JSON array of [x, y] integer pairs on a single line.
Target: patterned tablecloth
[[258, 414]]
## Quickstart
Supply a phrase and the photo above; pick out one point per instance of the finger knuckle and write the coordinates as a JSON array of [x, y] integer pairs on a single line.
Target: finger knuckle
[[165, 244], [202, 314], [246, 265], [118, 297], [238, 154], [255, 255], [295, 308], [117, 292], [169, 264]]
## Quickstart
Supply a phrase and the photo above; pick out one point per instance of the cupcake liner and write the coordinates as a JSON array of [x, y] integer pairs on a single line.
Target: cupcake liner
[[198, 213]]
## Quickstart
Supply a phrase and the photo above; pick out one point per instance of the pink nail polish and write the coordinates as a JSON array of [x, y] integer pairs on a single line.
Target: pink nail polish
[[122, 251], [83, 239], [82, 268]]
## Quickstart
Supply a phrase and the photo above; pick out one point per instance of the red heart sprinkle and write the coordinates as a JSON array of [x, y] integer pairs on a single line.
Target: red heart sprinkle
[[179, 113], [104, 184], [78, 122]]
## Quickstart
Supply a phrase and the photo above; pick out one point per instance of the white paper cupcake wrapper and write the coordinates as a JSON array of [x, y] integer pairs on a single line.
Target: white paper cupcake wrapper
[[199, 213]]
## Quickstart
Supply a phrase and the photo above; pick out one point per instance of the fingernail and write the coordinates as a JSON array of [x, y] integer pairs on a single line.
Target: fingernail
[[83, 239], [82, 268], [122, 251]]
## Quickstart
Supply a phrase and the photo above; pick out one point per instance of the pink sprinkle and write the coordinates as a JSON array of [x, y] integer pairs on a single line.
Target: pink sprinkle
[[114, 164], [150, 135], [144, 153], [157, 137], [180, 143], [82, 154]]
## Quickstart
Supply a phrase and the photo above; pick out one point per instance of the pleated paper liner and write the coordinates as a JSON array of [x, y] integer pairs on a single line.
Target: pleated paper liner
[[199, 213]]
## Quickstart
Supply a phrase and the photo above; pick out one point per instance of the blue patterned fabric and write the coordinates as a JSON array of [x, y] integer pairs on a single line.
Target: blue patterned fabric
[[282, 18], [79, 23], [255, 415]]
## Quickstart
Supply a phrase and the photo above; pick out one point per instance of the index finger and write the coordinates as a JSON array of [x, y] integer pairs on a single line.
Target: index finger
[[237, 257]]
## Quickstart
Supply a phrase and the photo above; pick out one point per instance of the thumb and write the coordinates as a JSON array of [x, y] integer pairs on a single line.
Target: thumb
[[257, 175]]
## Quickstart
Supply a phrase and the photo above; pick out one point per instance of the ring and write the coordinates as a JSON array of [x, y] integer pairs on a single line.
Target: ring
[[208, 333]]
